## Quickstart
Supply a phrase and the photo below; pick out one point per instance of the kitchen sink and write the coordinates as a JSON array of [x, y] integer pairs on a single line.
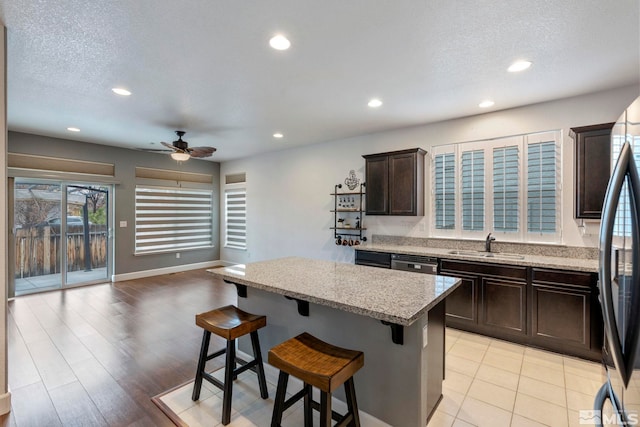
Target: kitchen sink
[[482, 254]]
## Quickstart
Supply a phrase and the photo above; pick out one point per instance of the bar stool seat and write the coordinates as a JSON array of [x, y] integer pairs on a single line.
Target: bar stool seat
[[321, 365], [230, 323]]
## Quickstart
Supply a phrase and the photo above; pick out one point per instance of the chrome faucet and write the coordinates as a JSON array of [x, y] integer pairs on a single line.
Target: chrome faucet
[[487, 242]]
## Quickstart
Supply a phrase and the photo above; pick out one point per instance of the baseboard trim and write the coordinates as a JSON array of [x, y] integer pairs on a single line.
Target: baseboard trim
[[5, 403], [164, 270]]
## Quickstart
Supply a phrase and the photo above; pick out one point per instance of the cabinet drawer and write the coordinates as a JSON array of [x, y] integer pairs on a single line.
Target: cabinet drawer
[[565, 278], [451, 267]]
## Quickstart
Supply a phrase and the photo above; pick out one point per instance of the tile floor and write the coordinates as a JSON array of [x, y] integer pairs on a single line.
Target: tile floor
[[488, 382]]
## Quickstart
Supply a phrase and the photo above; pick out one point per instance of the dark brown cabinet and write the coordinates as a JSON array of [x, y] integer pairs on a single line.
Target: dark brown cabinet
[[503, 305], [552, 309], [462, 302], [592, 168], [491, 300], [395, 183], [565, 312]]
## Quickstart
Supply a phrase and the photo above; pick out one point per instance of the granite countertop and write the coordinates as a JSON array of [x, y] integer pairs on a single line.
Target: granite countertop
[[529, 260], [394, 296]]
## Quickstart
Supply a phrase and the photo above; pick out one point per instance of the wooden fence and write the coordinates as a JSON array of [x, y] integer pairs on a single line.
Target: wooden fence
[[38, 249]]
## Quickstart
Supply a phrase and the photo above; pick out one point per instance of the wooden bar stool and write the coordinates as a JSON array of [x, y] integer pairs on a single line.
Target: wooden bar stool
[[320, 365], [230, 323]]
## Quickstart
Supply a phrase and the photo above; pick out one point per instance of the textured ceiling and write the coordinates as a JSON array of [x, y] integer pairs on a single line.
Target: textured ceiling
[[205, 66]]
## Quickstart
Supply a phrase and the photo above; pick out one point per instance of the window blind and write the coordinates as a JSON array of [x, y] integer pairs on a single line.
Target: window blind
[[473, 190], [541, 187], [236, 218], [444, 177], [172, 219], [506, 187]]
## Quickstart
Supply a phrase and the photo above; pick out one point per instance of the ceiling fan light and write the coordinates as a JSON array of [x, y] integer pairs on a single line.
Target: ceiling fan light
[[181, 157]]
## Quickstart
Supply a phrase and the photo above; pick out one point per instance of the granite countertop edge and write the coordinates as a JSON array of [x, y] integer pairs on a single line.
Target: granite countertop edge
[[575, 264], [377, 315]]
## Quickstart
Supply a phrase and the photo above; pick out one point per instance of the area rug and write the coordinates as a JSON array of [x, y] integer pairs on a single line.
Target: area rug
[[247, 408]]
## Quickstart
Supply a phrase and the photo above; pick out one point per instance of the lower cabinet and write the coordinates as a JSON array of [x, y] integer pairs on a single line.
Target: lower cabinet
[[462, 303], [565, 312], [503, 305], [551, 309]]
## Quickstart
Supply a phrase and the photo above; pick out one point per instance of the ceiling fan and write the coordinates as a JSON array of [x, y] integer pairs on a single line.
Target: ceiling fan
[[182, 151]]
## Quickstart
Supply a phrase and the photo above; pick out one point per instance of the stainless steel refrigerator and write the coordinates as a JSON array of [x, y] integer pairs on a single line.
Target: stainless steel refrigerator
[[618, 401]]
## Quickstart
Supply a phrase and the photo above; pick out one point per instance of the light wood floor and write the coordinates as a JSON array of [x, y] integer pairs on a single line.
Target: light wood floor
[[94, 356]]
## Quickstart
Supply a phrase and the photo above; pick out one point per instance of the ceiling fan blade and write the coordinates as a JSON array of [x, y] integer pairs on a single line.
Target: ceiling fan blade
[[201, 151], [174, 148], [166, 144]]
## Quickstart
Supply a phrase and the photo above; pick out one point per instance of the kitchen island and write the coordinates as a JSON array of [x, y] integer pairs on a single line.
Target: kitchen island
[[396, 318]]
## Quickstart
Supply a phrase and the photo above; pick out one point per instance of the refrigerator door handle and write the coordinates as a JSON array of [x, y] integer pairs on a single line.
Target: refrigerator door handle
[[623, 349]]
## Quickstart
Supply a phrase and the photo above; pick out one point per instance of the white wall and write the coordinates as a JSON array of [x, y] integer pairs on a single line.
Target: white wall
[[288, 199]]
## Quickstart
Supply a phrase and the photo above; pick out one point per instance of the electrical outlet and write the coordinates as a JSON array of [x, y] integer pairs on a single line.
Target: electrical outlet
[[178, 255]]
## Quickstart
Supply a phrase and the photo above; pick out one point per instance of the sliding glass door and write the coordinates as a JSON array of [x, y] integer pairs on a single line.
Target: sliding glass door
[[60, 235]]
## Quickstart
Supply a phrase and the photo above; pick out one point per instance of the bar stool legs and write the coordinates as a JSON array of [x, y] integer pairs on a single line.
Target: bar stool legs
[[230, 323], [321, 365], [202, 360]]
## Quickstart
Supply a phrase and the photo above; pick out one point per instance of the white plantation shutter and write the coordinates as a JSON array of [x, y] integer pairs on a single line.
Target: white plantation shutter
[[506, 185], [235, 218], [172, 219], [445, 197], [473, 190], [542, 170], [509, 186]]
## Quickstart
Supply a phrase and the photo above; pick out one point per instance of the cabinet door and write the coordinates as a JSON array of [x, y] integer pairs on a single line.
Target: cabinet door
[[592, 168], [402, 184], [561, 314], [377, 181], [461, 305], [565, 312], [503, 306]]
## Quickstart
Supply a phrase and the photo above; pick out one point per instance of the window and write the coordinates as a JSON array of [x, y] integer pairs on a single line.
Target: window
[[473, 190], [172, 219], [235, 201], [235, 211], [508, 186], [622, 222], [444, 166], [541, 187]]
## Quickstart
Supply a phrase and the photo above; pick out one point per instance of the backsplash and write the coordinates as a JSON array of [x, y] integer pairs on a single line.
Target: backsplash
[[496, 246]]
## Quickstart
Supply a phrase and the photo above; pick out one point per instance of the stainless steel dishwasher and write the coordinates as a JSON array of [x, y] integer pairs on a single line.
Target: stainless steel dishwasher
[[414, 263]]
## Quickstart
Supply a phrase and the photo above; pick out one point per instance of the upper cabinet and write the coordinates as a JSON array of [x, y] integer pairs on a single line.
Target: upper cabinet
[[592, 168], [395, 183]]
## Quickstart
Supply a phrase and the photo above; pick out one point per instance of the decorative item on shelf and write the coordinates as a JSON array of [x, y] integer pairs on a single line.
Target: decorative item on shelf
[[351, 181]]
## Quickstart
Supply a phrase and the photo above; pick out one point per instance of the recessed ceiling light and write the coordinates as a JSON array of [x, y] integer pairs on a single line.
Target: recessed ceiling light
[[121, 91], [519, 66], [374, 103], [486, 103], [278, 135], [279, 42], [72, 129]]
